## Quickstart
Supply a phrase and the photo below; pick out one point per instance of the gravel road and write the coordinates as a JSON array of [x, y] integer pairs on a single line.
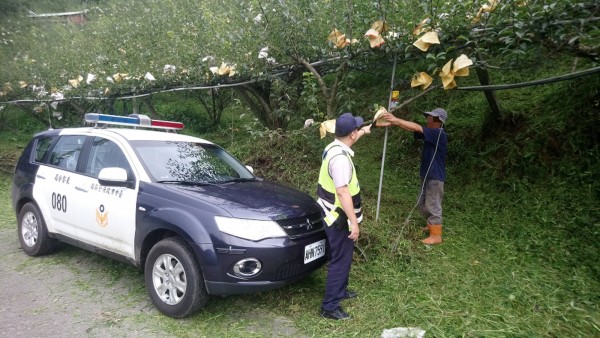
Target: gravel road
[[75, 293], [57, 296]]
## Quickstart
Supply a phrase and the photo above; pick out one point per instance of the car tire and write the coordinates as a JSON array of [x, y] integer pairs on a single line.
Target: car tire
[[33, 234], [174, 278]]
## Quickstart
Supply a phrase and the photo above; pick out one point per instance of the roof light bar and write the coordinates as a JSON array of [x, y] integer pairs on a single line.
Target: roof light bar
[[133, 120]]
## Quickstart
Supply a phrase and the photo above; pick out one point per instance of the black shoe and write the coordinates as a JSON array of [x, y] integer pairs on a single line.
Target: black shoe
[[350, 294], [337, 314]]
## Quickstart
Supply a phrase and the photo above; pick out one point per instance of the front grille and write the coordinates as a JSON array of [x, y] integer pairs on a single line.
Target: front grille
[[302, 226], [292, 270]]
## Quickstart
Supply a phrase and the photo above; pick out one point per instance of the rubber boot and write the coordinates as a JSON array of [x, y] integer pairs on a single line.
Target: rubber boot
[[435, 235], [426, 228]]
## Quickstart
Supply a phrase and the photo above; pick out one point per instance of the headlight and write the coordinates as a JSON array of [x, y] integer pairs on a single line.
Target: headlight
[[249, 229]]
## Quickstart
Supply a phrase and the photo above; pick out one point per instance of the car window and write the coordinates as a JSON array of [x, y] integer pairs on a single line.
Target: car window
[[41, 148], [66, 151], [105, 154], [190, 162]]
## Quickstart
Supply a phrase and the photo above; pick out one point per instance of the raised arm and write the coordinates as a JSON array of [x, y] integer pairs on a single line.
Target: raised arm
[[406, 125]]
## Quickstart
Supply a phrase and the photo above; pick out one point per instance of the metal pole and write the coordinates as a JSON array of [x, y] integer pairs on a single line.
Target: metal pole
[[385, 141]]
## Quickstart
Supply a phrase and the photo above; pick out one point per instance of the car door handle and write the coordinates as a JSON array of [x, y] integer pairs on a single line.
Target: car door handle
[[81, 189]]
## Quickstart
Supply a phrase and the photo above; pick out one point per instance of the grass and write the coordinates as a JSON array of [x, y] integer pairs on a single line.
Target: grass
[[521, 222], [512, 263], [519, 257]]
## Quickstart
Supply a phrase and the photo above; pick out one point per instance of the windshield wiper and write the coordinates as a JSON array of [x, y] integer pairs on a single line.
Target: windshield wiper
[[187, 182], [241, 179]]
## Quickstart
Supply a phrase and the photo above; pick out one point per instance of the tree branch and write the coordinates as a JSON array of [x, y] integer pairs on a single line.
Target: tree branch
[[77, 107], [264, 104], [412, 99], [334, 87], [314, 71]]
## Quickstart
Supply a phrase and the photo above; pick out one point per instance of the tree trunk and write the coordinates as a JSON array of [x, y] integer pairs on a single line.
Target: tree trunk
[[218, 102], [494, 116], [79, 108], [150, 107], [36, 116], [328, 93], [135, 106], [258, 98]]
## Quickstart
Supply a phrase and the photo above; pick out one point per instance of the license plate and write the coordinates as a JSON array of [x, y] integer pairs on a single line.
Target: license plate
[[314, 251]]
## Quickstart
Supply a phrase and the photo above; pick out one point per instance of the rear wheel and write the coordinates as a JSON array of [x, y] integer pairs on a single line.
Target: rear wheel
[[33, 234], [174, 279]]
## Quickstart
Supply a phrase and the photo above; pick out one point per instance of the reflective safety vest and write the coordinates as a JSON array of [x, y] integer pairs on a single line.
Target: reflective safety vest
[[328, 199]]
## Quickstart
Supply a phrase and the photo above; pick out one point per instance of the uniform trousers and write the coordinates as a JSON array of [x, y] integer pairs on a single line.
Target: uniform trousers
[[341, 249]]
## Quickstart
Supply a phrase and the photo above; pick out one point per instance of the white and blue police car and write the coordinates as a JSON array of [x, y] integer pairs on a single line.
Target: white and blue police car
[[197, 221]]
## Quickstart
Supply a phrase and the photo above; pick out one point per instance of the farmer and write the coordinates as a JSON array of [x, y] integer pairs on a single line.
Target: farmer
[[338, 194], [433, 167]]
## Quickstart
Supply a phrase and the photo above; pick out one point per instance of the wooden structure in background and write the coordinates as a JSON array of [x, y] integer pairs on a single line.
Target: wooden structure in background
[[76, 18]]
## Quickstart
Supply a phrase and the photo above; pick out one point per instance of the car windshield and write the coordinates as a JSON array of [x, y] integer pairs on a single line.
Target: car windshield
[[186, 162]]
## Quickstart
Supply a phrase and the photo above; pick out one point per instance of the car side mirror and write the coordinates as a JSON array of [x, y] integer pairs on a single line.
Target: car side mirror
[[250, 169], [114, 177]]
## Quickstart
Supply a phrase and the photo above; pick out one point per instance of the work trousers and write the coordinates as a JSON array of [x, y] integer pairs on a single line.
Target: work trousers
[[341, 249], [430, 200]]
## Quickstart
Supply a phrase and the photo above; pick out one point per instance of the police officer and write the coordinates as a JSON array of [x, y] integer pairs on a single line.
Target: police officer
[[338, 194]]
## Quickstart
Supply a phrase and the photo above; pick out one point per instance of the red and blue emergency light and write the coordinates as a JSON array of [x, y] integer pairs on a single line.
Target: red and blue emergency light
[[133, 120]]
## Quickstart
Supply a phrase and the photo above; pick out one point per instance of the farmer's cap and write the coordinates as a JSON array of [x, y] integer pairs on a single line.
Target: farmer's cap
[[440, 113], [346, 123]]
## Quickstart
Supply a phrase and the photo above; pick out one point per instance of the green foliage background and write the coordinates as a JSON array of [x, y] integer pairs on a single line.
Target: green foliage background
[[522, 203]]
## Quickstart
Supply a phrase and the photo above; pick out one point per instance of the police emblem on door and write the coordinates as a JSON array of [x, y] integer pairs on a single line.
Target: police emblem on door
[[101, 216]]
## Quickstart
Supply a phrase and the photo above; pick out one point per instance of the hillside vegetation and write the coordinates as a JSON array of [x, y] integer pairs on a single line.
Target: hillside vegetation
[[520, 256], [521, 211]]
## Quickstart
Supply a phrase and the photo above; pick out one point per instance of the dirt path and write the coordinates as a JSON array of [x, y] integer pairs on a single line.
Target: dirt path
[[74, 293], [48, 297]]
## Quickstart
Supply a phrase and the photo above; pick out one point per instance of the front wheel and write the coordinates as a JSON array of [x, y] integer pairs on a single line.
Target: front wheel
[[174, 279], [33, 234]]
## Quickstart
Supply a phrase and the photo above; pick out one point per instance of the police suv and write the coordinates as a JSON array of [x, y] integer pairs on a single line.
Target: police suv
[[181, 208]]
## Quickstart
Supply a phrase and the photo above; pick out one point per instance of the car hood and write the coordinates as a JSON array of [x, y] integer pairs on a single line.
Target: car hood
[[253, 199]]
